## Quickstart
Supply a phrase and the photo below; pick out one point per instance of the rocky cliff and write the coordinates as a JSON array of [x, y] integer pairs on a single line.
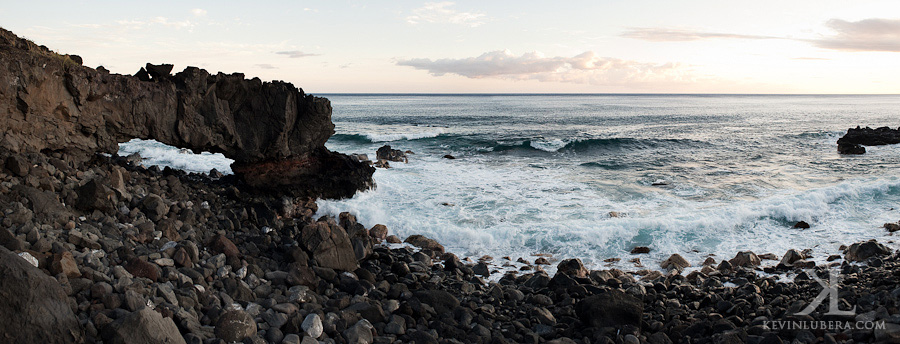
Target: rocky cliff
[[274, 131]]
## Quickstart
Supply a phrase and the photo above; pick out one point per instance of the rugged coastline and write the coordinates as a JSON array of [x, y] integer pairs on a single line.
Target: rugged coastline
[[102, 248]]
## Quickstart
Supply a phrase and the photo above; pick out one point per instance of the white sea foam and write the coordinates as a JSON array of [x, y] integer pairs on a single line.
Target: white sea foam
[[401, 136], [549, 145], [156, 153]]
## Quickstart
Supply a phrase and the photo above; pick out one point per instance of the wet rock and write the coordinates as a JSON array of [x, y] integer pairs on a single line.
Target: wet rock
[[675, 262], [423, 242], [801, 225], [870, 137], [892, 227], [33, 306], [790, 257], [864, 250], [482, 269], [572, 267], [745, 259], [142, 326], [235, 326], [379, 232], [386, 153], [640, 250]]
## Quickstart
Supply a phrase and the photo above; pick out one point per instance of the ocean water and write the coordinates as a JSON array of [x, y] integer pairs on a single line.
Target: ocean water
[[697, 175]]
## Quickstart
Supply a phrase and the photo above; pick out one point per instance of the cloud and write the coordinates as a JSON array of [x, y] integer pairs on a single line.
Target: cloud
[[265, 66], [198, 12], [440, 12], [682, 35], [874, 34], [139, 24], [585, 68], [295, 54]]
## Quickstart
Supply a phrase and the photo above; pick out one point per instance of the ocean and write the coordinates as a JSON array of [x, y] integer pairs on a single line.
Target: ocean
[[592, 176]]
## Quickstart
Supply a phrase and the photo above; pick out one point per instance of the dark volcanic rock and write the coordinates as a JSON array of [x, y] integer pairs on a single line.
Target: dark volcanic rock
[[234, 326], [864, 250], [274, 131], [851, 148], [613, 308], [143, 326], [386, 153], [424, 242], [33, 306], [871, 137], [329, 245]]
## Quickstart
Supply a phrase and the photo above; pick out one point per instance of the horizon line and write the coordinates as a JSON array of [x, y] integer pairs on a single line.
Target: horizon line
[[590, 94]]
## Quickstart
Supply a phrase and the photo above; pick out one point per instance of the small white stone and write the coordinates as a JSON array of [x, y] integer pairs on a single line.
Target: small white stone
[[29, 258], [168, 245], [199, 288], [164, 262], [242, 272], [312, 325]]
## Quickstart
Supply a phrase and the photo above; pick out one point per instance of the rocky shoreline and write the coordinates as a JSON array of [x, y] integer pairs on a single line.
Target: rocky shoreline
[[128, 254], [99, 248]]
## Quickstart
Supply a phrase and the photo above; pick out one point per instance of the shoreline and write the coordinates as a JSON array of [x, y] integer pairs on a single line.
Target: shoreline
[[216, 261]]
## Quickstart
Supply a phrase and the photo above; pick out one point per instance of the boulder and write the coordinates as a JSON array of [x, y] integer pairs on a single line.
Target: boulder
[[801, 225], [676, 262], [144, 326], [610, 309], [235, 326], [379, 232], [360, 333], [640, 250], [790, 257], [442, 301], [18, 165], [386, 153], [329, 245], [572, 267], [424, 242], [33, 306], [745, 259], [154, 207], [221, 244], [864, 250], [94, 195], [64, 263]]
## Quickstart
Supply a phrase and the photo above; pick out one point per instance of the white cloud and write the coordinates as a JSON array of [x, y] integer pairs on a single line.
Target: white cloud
[[682, 35], [295, 54], [265, 66], [584, 68], [440, 12], [874, 34], [198, 12]]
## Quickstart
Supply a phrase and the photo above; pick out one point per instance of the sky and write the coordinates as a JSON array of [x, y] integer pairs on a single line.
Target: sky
[[491, 46]]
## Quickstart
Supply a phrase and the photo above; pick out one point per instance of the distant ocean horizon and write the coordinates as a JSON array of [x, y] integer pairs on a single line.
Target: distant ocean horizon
[[591, 176]]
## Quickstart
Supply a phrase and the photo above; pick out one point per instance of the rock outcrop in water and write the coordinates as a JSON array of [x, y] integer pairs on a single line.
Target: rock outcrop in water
[[856, 138], [274, 131]]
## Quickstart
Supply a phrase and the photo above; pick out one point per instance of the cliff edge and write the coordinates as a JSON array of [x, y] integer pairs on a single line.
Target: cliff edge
[[274, 131]]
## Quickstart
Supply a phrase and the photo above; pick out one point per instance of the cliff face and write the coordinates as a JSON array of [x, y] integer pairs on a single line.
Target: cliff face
[[275, 133]]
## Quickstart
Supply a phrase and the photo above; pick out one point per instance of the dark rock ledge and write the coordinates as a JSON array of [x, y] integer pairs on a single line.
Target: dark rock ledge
[[853, 141], [274, 131]]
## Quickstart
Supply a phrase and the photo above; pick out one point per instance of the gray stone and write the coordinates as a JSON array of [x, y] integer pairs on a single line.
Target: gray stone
[[143, 326], [312, 325], [360, 333], [235, 326]]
